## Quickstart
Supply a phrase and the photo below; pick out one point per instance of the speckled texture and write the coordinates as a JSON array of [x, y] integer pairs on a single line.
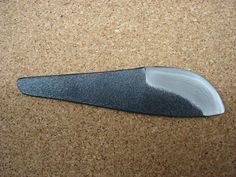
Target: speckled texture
[[40, 137]]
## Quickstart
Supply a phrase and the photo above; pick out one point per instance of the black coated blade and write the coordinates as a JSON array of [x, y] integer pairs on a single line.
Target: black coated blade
[[133, 90]]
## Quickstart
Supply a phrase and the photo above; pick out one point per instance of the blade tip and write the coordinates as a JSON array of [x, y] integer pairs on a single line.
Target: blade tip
[[221, 110]]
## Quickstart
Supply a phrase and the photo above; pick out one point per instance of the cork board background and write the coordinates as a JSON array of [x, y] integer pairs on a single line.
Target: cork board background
[[40, 137]]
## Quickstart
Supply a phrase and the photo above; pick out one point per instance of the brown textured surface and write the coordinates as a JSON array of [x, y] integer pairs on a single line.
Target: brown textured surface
[[40, 137]]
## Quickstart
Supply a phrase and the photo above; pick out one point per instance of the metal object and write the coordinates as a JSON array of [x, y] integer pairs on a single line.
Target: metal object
[[151, 90]]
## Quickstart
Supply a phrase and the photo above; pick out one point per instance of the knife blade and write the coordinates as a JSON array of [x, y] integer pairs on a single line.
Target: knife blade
[[161, 91]]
